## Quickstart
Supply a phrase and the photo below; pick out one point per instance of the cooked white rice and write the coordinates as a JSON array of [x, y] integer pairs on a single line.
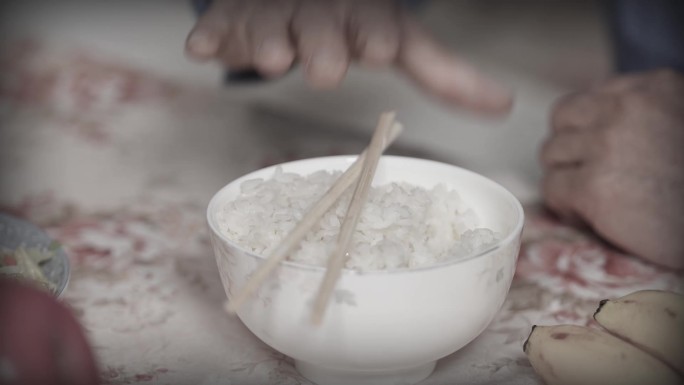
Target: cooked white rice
[[402, 225]]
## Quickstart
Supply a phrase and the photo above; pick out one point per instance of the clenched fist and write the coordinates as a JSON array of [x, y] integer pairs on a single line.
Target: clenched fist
[[615, 160], [325, 36]]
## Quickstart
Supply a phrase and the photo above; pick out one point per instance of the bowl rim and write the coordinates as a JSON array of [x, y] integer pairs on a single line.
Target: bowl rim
[[61, 256], [510, 236]]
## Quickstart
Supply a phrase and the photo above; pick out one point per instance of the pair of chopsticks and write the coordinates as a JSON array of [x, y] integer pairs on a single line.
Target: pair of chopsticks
[[362, 172]]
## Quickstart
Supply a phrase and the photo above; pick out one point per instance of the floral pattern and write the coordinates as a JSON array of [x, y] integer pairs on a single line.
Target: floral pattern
[[588, 270], [145, 283]]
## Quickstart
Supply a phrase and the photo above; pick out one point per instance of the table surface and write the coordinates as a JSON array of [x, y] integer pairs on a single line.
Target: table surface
[[118, 165]]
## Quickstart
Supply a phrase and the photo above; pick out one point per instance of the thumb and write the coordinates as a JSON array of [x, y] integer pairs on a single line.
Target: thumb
[[446, 76]]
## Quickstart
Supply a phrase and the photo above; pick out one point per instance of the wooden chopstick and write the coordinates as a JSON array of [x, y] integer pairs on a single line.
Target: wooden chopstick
[[340, 255], [310, 219]]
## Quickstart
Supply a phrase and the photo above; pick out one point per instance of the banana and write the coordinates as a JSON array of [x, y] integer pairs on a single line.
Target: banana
[[650, 319], [576, 355]]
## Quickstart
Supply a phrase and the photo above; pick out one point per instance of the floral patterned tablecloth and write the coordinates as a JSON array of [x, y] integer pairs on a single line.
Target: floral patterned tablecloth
[[118, 165]]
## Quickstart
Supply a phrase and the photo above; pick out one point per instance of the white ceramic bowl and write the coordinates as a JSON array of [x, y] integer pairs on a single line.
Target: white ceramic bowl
[[383, 327]]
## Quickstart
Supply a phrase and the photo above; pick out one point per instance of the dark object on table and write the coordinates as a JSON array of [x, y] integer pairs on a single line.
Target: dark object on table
[[647, 35]]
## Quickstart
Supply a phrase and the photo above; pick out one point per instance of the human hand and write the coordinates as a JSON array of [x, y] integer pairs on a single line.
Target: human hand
[[327, 35], [40, 341], [615, 160]]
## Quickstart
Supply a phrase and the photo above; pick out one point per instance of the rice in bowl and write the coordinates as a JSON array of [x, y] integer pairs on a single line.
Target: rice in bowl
[[402, 226]]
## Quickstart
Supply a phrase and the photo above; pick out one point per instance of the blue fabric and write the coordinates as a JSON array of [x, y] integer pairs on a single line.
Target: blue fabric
[[647, 34], [200, 6]]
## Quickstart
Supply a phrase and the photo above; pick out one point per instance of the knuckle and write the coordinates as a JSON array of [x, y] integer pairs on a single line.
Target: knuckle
[[380, 51], [620, 82], [563, 109], [633, 100], [666, 75], [324, 80], [271, 68], [635, 96]]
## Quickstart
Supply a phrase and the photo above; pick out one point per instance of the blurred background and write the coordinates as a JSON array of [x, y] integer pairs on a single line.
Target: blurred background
[[99, 105]]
